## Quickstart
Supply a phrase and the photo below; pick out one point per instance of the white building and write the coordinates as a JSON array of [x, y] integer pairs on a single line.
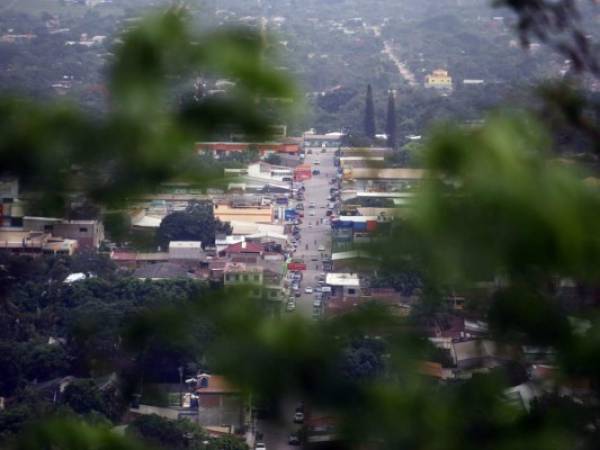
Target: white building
[[269, 172], [348, 284]]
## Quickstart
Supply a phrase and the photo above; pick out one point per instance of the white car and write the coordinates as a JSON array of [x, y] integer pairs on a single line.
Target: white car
[[298, 417], [321, 248], [312, 213], [291, 306], [260, 446], [308, 290]]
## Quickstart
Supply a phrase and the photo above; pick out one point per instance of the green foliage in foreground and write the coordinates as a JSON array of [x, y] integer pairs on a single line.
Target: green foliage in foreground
[[492, 206]]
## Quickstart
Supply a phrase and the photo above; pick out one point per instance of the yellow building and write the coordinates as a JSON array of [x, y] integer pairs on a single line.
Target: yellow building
[[255, 214], [439, 79]]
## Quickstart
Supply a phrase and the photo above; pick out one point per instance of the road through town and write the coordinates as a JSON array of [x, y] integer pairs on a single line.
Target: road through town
[[315, 230]]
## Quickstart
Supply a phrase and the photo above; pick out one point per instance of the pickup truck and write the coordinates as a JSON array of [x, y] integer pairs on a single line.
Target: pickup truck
[[296, 265]]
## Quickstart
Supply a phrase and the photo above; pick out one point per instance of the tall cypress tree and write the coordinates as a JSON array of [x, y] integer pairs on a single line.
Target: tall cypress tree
[[390, 126], [369, 114]]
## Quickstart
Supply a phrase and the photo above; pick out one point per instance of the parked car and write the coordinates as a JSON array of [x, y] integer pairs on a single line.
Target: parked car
[[312, 213], [260, 446], [298, 417], [321, 248], [291, 306], [308, 290], [294, 439]]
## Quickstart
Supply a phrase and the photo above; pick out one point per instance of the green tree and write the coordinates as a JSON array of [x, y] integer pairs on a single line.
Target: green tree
[[83, 396], [369, 118], [196, 223], [165, 433], [227, 442], [390, 125]]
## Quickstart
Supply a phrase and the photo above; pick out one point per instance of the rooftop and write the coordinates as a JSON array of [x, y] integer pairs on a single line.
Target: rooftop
[[185, 244], [160, 271], [241, 267], [343, 279], [216, 384]]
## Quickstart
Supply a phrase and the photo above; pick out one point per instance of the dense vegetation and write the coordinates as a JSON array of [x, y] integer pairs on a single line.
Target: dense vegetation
[[507, 212]]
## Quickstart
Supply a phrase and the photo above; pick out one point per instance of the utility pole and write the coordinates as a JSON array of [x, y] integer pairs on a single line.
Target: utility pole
[[180, 370]]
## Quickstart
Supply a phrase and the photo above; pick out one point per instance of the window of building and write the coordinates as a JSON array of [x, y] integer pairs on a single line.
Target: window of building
[[227, 277], [7, 200], [256, 278], [83, 230], [245, 278], [48, 228], [351, 291]]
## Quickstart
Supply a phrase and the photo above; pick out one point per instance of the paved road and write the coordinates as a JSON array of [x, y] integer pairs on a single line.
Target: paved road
[[314, 234], [315, 230]]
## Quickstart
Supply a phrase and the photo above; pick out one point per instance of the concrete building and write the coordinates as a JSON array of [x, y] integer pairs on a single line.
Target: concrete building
[[35, 243], [220, 404], [11, 210], [329, 140], [268, 172], [343, 284], [255, 214], [88, 233], [220, 149], [186, 250], [240, 274], [401, 174], [439, 79]]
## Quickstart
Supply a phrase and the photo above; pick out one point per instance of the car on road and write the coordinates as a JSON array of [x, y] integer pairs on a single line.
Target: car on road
[[316, 172], [312, 213], [308, 290], [311, 205], [321, 248], [291, 306], [309, 224], [294, 439], [314, 258], [298, 417], [260, 446]]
